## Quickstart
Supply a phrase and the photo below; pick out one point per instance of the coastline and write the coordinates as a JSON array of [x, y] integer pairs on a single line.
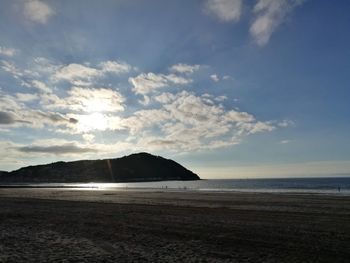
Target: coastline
[[156, 226], [130, 187]]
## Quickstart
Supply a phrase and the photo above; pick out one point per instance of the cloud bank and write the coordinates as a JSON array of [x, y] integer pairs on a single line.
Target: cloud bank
[[153, 111]]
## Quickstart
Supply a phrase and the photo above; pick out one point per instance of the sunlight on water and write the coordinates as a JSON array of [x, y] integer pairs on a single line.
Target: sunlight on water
[[90, 186], [310, 185], [102, 186], [291, 185]]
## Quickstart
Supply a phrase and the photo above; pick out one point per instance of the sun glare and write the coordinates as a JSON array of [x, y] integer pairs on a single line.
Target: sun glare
[[97, 105], [94, 121]]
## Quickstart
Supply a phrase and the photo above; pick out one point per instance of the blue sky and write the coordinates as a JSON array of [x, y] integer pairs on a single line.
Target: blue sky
[[229, 88]]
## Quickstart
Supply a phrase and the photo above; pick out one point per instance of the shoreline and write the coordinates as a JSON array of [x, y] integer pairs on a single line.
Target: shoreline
[[321, 185], [181, 197], [98, 187]]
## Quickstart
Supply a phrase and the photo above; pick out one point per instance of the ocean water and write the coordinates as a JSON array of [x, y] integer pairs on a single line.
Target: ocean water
[[330, 185]]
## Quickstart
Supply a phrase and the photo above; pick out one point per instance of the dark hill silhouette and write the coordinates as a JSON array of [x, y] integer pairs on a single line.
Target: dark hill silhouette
[[140, 167]]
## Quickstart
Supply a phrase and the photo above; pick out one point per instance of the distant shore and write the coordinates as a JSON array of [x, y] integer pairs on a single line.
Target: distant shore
[[89, 225]]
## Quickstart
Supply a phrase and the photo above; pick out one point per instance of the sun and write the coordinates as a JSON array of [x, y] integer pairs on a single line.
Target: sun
[[93, 121], [96, 119]]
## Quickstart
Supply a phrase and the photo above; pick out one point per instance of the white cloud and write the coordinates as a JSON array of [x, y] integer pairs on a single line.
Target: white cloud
[[44, 66], [191, 109], [145, 101], [8, 102], [41, 86], [207, 95], [215, 77], [89, 100], [83, 110], [227, 77], [284, 141], [88, 137], [76, 73], [220, 98], [9, 52], [224, 10], [177, 121], [177, 80], [144, 119], [115, 67], [269, 15], [184, 68], [37, 11], [56, 107], [150, 82], [16, 110], [84, 75], [40, 119], [186, 122], [11, 68], [252, 128], [165, 97], [286, 123], [25, 97], [240, 117]]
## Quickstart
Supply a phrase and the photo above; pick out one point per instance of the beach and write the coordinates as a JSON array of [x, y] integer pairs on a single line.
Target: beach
[[128, 225]]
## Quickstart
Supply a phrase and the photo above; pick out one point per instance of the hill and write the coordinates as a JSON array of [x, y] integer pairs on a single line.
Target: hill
[[140, 167]]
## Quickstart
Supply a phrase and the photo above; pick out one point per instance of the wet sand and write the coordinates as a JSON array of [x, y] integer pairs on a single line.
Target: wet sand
[[62, 225]]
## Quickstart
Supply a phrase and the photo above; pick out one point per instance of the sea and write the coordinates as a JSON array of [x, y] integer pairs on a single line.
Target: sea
[[329, 185]]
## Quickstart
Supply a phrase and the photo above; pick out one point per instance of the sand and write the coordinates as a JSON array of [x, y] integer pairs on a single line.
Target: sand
[[63, 225]]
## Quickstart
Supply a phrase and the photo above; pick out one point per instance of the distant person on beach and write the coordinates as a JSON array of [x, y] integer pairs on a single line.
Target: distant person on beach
[[338, 188]]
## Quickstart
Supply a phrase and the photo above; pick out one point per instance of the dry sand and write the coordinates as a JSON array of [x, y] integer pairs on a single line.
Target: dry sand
[[62, 225]]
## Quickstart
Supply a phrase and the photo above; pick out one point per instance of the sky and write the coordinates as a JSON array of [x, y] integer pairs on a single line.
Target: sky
[[228, 88]]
